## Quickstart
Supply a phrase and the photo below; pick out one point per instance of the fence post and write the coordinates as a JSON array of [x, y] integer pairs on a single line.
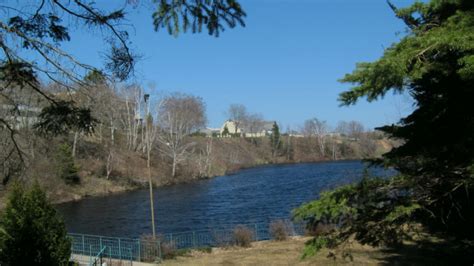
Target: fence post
[[120, 250], [139, 250], [83, 246], [90, 254], [100, 242], [159, 249], [194, 239], [256, 232]]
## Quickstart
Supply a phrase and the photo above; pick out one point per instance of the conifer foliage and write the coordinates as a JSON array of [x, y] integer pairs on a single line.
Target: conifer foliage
[[33, 232], [65, 166], [434, 63], [275, 140]]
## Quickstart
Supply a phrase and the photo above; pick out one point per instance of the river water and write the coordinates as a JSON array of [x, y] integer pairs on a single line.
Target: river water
[[256, 195]]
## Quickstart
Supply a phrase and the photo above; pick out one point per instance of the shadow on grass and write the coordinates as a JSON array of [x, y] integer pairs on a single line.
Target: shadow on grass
[[429, 253]]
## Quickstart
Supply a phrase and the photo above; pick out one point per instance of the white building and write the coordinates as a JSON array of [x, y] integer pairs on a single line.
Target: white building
[[255, 129], [21, 116]]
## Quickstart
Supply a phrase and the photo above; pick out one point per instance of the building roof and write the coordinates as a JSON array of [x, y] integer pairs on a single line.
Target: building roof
[[258, 127]]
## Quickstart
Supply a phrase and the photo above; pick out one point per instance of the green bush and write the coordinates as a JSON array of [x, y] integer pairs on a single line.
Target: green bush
[[314, 245], [34, 233]]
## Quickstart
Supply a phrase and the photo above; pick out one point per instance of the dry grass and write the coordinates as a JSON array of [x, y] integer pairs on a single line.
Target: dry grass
[[432, 252], [276, 253]]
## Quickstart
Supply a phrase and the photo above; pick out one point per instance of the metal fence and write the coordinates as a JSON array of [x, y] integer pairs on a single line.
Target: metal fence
[[90, 248], [149, 249]]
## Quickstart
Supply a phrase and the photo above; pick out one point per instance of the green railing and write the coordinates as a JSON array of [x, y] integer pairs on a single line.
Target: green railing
[[109, 247], [97, 258], [149, 249]]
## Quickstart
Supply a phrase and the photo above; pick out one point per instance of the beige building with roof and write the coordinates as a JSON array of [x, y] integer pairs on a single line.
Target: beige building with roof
[[249, 130]]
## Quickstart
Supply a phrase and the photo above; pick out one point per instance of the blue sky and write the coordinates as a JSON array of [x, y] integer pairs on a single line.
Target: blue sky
[[284, 64]]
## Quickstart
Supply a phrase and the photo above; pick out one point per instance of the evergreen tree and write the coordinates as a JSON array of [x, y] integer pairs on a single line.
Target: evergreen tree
[[434, 63], [65, 166], [34, 233], [275, 140], [225, 132]]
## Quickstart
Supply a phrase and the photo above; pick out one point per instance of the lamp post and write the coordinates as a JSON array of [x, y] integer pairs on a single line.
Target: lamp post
[[148, 143]]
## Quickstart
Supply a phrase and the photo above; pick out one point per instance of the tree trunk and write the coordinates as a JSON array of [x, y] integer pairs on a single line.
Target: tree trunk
[[100, 132], [112, 133], [109, 166], [288, 147], [208, 158], [173, 171], [74, 144]]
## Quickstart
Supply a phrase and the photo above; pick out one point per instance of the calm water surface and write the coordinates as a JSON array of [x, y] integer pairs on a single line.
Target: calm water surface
[[255, 195]]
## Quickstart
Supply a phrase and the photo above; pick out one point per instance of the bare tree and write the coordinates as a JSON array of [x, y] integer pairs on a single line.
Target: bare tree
[[356, 129], [352, 129], [255, 123], [318, 129], [289, 147], [205, 159], [334, 149], [32, 33], [109, 165], [238, 114], [10, 155], [179, 115], [342, 128], [132, 116]]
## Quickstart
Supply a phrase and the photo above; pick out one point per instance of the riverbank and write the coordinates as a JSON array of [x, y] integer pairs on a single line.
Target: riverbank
[[94, 187], [106, 170], [99, 187]]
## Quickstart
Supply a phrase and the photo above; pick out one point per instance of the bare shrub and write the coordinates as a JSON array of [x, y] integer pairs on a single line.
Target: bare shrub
[[221, 238], [156, 248], [320, 229], [243, 236], [168, 250], [150, 251], [280, 230]]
